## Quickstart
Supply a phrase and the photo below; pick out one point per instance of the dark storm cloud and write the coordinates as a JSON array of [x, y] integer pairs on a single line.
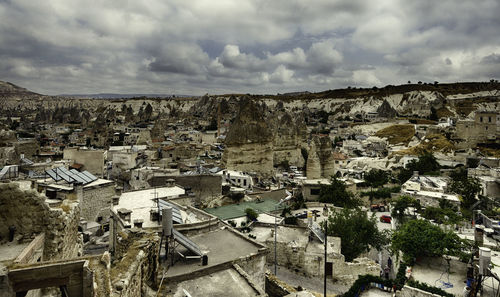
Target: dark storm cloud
[[244, 46]]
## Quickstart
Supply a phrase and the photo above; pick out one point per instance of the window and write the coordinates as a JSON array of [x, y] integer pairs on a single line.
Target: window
[[481, 119], [244, 182], [489, 119], [314, 191]]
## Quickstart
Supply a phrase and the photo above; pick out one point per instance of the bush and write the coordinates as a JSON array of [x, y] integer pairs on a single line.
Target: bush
[[382, 192], [427, 288], [251, 214], [363, 281]]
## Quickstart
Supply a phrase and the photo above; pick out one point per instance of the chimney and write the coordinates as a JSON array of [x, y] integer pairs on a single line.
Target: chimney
[[170, 182], [116, 200], [415, 173], [154, 216], [124, 214], [118, 190], [138, 223], [78, 188]]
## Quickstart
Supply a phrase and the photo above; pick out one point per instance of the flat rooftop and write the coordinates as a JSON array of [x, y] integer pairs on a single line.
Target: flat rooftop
[[141, 202], [222, 245], [238, 210], [10, 250], [210, 285]]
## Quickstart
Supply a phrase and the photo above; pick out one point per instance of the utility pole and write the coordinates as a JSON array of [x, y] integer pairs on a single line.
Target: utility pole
[[326, 238], [275, 235]]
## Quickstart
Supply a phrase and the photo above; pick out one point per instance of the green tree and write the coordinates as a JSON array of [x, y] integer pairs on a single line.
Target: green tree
[[376, 178], [337, 194], [426, 164], [400, 207], [418, 238], [356, 230], [466, 187]]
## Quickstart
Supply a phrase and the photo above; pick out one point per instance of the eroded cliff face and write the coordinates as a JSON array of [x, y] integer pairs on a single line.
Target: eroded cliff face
[[249, 141], [290, 135], [320, 163]]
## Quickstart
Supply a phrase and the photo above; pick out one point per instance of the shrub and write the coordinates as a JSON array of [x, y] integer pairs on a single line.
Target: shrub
[[430, 289], [251, 214]]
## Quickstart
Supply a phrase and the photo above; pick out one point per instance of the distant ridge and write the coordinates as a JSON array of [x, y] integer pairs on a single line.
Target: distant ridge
[[8, 89], [120, 96]]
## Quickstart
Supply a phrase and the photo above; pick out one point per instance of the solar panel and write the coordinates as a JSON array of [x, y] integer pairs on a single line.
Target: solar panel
[[53, 175], [187, 243], [70, 176], [316, 229], [65, 174], [89, 175], [80, 177], [176, 212]]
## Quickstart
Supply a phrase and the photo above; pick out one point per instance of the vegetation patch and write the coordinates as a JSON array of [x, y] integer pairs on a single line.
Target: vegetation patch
[[432, 143], [397, 133]]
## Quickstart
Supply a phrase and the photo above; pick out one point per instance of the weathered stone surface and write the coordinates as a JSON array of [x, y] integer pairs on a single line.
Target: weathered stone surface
[[249, 141], [289, 136], [28, 212], [320, 162]]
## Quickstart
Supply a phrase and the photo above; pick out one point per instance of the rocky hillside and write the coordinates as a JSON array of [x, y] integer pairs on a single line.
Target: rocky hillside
[[8, 90], [458, 100]]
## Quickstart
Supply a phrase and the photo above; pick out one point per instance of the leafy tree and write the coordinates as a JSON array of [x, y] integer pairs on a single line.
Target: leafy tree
[[376, 178], [356, 230], [467, 187], [401, 205], [426, 164], [337, 194], [441, 215], [418, 238]]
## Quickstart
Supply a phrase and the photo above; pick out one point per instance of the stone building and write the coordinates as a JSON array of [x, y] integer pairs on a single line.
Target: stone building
[[484, 128], [92, 160], [94, 198]]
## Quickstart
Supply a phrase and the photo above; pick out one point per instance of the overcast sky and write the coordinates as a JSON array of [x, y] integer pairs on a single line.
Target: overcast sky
[[245, 46]]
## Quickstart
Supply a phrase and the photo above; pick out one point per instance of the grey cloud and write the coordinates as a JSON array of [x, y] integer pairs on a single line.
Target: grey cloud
[[244, 46]]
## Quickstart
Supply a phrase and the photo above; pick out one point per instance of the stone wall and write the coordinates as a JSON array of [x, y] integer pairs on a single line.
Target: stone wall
[[28, 212], [254, 266], [136, 270], [408, 291], [348, 272], [204, 187], [93, 160], [96, 201], [275, 287]]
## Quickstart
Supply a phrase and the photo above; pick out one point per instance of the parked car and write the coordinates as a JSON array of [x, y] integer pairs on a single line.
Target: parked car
[[385, 219], [378, 207]]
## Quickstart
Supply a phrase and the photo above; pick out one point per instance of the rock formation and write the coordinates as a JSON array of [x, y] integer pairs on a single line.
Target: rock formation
[[385, 110], [249, 141], [289, 135], [320, 163]]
